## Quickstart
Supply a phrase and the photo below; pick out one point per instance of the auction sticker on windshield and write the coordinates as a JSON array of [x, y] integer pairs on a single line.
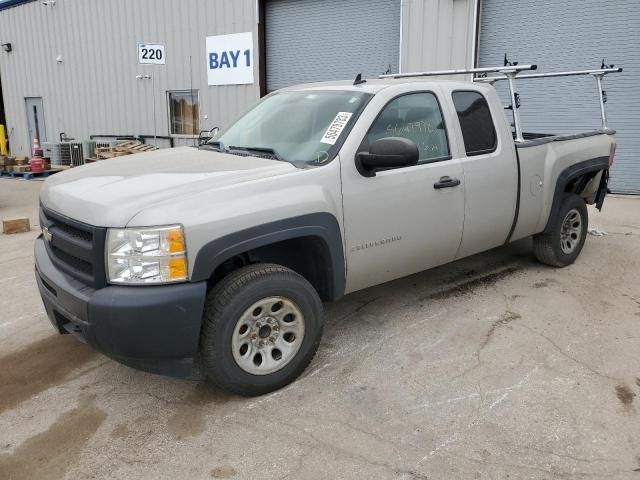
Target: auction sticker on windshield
[[335, 129]]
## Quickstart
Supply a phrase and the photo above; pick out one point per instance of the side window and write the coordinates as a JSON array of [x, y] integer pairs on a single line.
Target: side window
[[476, 123], [417, 117]]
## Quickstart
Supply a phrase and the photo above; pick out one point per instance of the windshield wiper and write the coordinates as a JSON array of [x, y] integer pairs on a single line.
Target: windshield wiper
[[268, 150]]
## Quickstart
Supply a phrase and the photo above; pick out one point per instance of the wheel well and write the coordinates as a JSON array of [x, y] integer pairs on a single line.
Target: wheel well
[[578, 179], [308, 256], [580, 183]]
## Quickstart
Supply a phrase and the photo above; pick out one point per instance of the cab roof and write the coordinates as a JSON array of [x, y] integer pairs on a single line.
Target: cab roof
[[376, 85]]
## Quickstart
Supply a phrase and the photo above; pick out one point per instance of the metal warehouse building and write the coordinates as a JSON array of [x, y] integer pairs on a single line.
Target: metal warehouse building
[[162, 68]]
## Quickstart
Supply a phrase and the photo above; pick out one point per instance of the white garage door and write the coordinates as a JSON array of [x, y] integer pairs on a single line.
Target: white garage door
[[570, 35], [312, 40]]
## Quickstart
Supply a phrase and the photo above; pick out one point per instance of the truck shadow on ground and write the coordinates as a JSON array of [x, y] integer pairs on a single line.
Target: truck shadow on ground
[[457, 279]]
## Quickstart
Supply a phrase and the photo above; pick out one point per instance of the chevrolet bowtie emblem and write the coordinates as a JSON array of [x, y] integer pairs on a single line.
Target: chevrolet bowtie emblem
[[46, 234]]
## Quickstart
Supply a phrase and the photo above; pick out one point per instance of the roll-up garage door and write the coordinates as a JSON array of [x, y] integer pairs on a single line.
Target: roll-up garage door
[[312, 40], [571, 35]]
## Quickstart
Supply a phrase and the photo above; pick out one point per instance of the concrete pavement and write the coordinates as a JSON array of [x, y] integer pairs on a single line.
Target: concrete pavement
[[494, 367]]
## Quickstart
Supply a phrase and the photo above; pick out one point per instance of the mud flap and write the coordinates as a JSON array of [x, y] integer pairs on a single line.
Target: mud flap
[[602, 189]]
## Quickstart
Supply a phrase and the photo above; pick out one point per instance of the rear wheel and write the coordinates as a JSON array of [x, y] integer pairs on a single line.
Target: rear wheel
[[564, 241], [262, 327]]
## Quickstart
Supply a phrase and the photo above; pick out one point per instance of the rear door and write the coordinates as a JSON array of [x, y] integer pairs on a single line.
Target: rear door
[[490, 169], [397, 222]]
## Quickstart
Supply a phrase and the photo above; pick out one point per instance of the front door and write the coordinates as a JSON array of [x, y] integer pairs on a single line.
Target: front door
[[402, 221], [35, 119]]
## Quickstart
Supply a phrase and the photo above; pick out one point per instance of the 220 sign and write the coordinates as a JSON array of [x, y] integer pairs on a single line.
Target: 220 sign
[[151, 54]]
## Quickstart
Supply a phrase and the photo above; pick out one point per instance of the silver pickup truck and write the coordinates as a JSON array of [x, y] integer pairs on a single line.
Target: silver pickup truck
[[222, 255]]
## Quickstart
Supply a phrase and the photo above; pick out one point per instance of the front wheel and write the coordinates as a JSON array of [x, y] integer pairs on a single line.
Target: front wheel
[[262, 326], [564, 241]]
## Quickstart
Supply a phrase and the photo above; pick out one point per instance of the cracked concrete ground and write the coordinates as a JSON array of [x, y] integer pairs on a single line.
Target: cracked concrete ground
[[494, 367]]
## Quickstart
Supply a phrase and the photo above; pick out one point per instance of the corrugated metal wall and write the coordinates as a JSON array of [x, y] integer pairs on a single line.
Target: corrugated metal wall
[[437, 34], [94, 90], [571, 35], [307, 42]]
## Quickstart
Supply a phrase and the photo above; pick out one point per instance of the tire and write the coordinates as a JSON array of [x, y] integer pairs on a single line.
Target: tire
[[562, 245], [235, 354]]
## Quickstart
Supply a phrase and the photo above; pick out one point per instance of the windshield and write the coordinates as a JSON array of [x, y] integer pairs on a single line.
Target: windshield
[[298, 126]]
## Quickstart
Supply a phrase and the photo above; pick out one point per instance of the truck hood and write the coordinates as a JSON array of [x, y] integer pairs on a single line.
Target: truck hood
[[111, 192]]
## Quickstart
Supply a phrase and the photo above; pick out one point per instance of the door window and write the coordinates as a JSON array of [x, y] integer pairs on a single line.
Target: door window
[[416, 117], [476, 123]]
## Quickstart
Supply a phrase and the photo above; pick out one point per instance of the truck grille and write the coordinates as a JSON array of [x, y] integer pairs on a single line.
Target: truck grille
[[75, 248]]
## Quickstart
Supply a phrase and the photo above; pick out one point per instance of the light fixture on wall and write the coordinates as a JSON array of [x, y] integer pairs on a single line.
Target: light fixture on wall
[[7, 47]]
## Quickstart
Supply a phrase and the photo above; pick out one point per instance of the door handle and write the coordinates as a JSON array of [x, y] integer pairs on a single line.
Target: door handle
[[446, 182]]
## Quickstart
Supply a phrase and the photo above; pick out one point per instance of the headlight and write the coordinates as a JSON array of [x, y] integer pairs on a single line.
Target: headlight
[[146, 255]]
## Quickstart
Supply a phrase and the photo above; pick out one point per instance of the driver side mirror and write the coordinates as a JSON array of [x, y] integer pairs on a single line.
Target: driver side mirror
[[206, 135], [387, 153]]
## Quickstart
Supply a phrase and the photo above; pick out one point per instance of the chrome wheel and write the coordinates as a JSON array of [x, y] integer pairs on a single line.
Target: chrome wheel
[[571, 231], [268, 335]]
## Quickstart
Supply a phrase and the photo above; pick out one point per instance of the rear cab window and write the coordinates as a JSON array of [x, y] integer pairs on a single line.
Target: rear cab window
[[476, 123]]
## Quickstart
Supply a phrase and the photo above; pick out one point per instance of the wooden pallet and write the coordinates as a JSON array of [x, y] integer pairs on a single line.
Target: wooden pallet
[[133, 147], [30, 175], [125, 148]]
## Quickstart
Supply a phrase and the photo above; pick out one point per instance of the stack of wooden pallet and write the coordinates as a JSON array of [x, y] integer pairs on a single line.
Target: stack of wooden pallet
[[18, 164], [6, 163], [126, 148], [22, 165]]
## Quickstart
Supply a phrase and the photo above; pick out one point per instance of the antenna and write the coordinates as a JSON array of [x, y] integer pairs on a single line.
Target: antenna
[[359, 80]]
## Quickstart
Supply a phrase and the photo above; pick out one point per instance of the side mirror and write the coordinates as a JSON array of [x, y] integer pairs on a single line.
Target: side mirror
[[387, 153], [206, 135]]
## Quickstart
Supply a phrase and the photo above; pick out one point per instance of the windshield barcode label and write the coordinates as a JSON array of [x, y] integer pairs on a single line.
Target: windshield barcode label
[[335, 129]]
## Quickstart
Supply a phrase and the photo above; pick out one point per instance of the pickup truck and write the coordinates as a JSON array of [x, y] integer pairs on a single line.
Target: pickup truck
[[222, 255]]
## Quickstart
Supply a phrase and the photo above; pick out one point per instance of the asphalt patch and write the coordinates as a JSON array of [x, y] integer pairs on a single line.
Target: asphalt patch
[[49, 454], [39, 366], [189, 418], [474, 284], [223, 472], [544, 283], [625, 394]]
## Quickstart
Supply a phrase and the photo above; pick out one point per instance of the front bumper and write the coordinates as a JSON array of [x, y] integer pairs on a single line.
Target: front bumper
[[155, 329]]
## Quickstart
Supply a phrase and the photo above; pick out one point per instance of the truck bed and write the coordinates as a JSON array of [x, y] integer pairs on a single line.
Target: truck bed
[[542, 161]]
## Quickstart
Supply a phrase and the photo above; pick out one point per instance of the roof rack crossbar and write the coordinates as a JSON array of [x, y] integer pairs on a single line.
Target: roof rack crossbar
[[506, 69], [597, 73]]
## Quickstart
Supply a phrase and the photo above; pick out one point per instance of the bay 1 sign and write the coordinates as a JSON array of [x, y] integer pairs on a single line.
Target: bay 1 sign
[[230, 59]]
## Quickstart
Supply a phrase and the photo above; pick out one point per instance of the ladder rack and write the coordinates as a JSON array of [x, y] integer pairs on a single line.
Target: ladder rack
[[509, 72], [598, 74], [598, 71], [508, 69]]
